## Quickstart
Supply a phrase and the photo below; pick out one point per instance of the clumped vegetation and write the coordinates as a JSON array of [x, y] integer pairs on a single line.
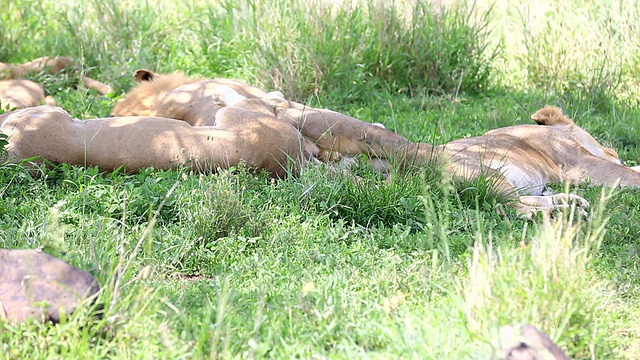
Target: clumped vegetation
[[328, 264]]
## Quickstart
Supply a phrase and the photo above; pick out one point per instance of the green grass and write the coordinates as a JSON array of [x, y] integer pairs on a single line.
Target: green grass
[[328, 265]]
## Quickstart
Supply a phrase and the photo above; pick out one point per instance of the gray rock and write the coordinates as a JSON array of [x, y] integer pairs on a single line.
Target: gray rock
[[36, 285], [525, 342]]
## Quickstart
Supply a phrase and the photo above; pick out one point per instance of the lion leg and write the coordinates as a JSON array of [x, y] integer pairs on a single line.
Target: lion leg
[[530, 205], [471, 170], [224, 95], [100, 87], [50, 100], [340, 133], [602, 172]]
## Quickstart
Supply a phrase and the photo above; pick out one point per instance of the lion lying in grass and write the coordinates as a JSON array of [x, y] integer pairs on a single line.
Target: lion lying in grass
[[18, 93], [523, 159], [246, 133], [326, 132], [519, 160], [22, 93], [277, 135]]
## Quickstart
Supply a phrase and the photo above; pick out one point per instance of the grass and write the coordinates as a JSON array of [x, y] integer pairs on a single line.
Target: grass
[[328, 265]]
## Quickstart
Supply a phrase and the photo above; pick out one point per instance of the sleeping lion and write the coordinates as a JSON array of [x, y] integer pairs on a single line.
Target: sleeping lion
[[522, 159], [248, 133], [19, 93], [170, 121]]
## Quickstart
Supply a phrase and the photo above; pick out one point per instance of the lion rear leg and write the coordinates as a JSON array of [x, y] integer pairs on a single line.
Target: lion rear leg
[[530, 205]]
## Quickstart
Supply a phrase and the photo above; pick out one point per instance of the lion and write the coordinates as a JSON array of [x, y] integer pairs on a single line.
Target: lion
[[521, 160], [22, 93], [328, 135], [553, 116], [169, 94], [247, 132], [19, 93]]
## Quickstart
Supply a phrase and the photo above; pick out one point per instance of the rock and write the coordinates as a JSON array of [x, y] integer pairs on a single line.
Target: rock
[[528, 343], [36, 285]]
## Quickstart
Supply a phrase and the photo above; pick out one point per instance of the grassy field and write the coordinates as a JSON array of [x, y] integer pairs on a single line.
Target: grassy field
[[234, 265]]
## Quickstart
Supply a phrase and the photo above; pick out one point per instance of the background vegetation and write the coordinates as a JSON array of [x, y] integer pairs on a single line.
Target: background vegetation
[[234, 265]]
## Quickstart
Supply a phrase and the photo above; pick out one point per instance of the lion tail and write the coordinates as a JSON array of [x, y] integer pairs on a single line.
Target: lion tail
[[550, 116]]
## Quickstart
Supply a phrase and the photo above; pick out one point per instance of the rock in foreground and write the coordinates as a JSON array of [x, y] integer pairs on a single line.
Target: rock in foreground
[[36, 285], [528, 343]]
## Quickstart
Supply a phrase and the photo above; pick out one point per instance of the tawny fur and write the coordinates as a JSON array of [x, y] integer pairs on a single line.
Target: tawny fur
[[520, 159], [553, 116], [142, 99], [166, 95], [22, 93], [327, 134], [12, 90], [136, 142]]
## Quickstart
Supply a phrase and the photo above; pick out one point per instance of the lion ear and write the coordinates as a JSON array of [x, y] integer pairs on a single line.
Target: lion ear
[[141, 75], [551, 115]]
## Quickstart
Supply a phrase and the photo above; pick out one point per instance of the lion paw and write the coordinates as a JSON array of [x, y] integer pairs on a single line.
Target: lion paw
[[564, 200], [567, 200], [530, 205]]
